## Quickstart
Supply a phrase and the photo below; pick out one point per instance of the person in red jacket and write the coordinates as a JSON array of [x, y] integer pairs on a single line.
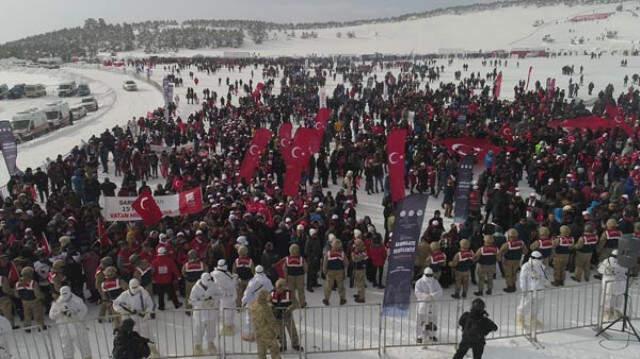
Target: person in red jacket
[[378, 255], [165, 273]]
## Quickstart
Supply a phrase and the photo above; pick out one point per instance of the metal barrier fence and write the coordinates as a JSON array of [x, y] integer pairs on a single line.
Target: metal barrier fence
[[326, 329]]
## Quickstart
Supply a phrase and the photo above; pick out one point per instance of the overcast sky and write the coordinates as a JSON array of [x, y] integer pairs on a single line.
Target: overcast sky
[[20, 18]]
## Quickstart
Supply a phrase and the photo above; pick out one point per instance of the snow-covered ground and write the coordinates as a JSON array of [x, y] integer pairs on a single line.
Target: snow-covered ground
[[500, 29], [117, 106]]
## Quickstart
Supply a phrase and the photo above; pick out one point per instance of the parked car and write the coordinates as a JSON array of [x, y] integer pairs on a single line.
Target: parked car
[[4, 91], [83, 90], [58, 114], [90, 103], [29, 124], [130, 85], [16, 92], [77, 112], [67, 89], [33, 91]]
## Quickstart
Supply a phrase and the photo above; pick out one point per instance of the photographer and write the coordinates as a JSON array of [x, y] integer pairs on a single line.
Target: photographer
[[476, 325]]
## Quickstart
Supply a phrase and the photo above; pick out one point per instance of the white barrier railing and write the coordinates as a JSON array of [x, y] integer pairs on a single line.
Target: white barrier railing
[[336, 328]]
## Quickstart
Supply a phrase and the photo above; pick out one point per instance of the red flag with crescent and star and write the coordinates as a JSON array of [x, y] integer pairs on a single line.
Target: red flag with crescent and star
[[322, 119], [297, 159], [146, 206], [252, 157], [395, 160], [285, 140]]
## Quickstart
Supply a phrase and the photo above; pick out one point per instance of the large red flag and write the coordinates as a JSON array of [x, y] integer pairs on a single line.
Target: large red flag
[[103, 237], [285, 141], [148, 209], [322, 119], [301, 150], [254, 152], [497, 86], [292, 180], [395, 160], [190, 202]]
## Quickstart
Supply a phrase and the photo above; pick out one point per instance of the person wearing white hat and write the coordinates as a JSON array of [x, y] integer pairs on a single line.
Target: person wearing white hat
[[136, 303], [428, 291], [227, 282], [260, 282], [205, 299], [67, 311], [533, 279], [613, 286]]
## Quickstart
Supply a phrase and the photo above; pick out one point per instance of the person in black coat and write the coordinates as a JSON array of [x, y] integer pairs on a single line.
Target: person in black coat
[[476, 325], [128, 344]]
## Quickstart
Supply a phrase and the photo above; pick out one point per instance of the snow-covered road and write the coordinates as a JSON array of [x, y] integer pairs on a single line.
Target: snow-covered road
[[117, 112]]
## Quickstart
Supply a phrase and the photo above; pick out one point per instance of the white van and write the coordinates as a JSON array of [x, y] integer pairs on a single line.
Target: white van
[[58, 114], [29, 124]]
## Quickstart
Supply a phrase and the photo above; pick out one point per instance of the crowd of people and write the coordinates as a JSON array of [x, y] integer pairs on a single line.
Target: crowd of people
[[583, 199]]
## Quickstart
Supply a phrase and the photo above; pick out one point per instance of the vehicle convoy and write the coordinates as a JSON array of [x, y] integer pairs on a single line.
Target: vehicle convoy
[[90, 103], [67, 89], [33, 91], [29, 124], [58, 114]]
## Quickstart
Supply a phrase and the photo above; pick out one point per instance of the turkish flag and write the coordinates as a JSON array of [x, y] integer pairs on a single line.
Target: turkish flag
[[497, 86], [103, 238], [252, 156], [190, 202], [395, 160], [279, 267], [507, 133], [322, 119], [148, 209], [285, 141], [301, 150]]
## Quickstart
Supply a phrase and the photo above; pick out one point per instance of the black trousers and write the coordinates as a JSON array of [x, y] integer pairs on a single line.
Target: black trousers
[[463, 348], [161, 290]]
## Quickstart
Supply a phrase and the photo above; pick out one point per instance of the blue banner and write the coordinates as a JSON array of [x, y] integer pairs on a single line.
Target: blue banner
[[406, 232], [465, 178], [8, 147]]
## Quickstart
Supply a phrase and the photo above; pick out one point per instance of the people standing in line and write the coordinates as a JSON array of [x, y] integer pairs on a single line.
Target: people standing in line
[[563, 245], [205, 296], [260, 282], [243, 268], [295, 268], [462, 263], [334, 268], [585, 247], [510, 255], [67, 311], [487, 257], [359, 259], [283, 306], [475, 325]]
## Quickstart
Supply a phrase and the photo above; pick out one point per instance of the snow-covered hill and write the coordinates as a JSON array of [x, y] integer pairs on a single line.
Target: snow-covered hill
[[499, 29]]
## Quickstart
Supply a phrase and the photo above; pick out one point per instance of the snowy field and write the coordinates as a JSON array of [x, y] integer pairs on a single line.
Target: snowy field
[[500, 29]]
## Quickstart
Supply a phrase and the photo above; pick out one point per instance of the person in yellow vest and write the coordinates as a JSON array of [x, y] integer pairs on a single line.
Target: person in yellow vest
[[143, 272], [462, 263], [110, 289], [243, 267], [585, 248], [563, 245], [295, 268], [192, 271], [609, 240], [334, 266], [57, 278], [6, 305], [105, 262], [510, 255], [359, 258], [437, 260], [544, 245], [28, 291], [487, 257]]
